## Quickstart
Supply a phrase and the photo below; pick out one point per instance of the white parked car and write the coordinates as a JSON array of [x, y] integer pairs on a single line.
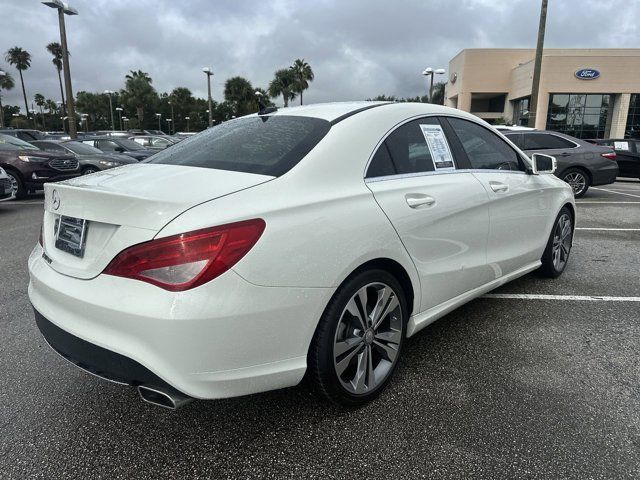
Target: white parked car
[[310, 240], [6, 187]]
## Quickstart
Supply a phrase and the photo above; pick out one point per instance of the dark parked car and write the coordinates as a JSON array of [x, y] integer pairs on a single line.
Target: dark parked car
[[627, 155], [580, 163], [25, 134], [91, 159], [154, 142], [29, 168], [118, 145]]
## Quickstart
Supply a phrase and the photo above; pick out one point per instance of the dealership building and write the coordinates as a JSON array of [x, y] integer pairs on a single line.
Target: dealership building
[[587, 93]]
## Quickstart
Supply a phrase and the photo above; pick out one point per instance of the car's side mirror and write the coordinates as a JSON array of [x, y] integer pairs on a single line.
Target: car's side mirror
[[541, 163]]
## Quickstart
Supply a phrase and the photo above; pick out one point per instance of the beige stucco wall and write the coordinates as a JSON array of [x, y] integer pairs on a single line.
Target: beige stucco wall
[[511, 71]]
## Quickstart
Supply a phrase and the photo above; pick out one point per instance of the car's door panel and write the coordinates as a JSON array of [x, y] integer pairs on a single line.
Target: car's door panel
[[443, 222]]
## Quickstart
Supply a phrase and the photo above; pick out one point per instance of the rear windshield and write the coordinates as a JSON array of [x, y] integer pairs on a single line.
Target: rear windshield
[[263, 145], [11, 143]]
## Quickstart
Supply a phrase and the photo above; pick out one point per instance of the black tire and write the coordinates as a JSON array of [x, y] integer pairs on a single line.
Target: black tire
[[21, 191], [549, 267], [579, 180], [89, 170], [323, 367]]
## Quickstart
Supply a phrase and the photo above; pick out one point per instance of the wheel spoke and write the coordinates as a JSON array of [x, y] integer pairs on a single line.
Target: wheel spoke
[[353, 309], [371, 374], [344, 346], [342, 365], [383, 298], [392, 336], [390, 307], [361, 372], [388, 350]]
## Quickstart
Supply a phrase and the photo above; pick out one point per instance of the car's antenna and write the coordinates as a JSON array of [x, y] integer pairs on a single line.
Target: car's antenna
[[264, 110]]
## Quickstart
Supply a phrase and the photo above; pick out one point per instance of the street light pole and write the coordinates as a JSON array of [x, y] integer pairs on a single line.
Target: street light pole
[[119, 110], [2, 74], [209, 73], [430, 72], [537, 66], [187, 119], [71, 111], [172, 124], [109, 92], [159, 115]]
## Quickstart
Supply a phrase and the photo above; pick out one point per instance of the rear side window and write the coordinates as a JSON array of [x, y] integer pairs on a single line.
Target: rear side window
[[516, 138], [485, 150], [545, 141], [381, 164], [263, 145]]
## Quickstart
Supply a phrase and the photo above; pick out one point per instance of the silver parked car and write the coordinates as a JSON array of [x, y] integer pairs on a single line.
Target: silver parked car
[[154, 142], [6, 189], [580, 163], [90, 158]]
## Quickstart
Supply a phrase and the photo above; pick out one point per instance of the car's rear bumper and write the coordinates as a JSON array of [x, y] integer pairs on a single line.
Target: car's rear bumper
[[605, 175], [36, 180], [223, 339]]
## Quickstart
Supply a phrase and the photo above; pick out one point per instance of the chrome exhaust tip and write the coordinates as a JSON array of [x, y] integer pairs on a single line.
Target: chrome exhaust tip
[[163, 398]]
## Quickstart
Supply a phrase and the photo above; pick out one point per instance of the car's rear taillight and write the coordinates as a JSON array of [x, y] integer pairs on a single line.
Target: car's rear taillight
[[609, 155], [185, 261]]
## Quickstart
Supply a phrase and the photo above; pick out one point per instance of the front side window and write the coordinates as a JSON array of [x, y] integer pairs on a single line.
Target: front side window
[[50, 147], [107, 145], [484, 149], [545, 141], [264, 145]]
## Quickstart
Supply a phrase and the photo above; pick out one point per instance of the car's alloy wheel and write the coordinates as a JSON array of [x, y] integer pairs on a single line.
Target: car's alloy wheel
[[359, 338], [16, 185], [562, 237], [556, 254], [89, 171], [368, 337], [578, 182]]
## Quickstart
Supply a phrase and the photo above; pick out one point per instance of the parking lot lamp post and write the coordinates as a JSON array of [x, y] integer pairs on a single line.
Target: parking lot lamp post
[[174, 126], [207, 71], [168, 120], [187, 119], [126, 123], [110, 92], [119, 110], [430, 72], [64, 9], [2, 74], [159, 115]]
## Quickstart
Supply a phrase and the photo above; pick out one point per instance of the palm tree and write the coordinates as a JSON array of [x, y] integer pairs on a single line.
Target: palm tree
[[239, 92], [55, 49], [139, 93], [21, 59], [39, 99], [283, 83], [303, 75], [6, 83]]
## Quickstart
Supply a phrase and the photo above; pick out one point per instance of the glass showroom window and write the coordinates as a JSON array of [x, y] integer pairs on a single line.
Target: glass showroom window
[[520, 111], [578, 114], [633, 118]]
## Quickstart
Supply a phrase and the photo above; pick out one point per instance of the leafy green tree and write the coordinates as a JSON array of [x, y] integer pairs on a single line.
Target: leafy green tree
[[21, 60], [240, 93], [6, 83], [139, 94], [438, 93], [283, 83], [39, 99], [303, 75], [55, 49]]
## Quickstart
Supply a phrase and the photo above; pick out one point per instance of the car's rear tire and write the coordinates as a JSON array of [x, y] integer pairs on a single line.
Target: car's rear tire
[[359, 338], [556, 254], [578, 179], [16, 184], [89, 170]]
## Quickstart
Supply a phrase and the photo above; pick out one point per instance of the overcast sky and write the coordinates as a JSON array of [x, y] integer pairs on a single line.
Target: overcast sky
[[357, 48]]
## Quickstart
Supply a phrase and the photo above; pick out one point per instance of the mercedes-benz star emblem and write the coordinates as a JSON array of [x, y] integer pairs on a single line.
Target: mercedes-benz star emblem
[[55, 200]]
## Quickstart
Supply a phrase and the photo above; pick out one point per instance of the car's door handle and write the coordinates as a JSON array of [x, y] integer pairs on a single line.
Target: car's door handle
[[563, 154], [415, 200], [498, 187]]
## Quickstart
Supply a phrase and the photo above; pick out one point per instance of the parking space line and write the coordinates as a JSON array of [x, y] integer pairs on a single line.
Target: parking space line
[[605, 202], [597, 229], [579, 298], [613, 191]]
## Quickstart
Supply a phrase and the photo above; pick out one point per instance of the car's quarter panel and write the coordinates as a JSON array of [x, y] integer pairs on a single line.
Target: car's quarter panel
[[446, 239], [205, 342]]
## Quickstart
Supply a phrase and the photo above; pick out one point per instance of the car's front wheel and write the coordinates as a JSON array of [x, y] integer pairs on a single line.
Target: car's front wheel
[[556, 254], [359, 338], [89, 170], [17, 187], [578, 180]]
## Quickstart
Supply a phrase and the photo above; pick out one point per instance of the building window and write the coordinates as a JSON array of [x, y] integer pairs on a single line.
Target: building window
[[580, 115], [633, 118], [521, 111]]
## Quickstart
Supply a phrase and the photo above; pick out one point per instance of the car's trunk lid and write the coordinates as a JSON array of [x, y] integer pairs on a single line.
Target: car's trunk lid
[[125, 206]]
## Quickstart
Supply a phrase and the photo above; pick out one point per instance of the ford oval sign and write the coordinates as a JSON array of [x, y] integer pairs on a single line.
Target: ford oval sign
[[587, 74]]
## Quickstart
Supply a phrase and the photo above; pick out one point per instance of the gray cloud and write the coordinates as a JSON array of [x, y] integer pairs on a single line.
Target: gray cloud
[[357, 48]]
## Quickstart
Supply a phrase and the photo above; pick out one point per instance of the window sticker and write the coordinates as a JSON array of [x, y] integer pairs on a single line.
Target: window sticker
[[621, 145], [438, 146]]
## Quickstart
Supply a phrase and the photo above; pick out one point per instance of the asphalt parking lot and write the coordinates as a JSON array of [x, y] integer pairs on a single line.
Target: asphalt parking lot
[[541, 381]]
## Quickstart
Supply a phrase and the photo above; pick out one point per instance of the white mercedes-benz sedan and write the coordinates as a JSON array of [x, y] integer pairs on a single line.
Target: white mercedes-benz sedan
[[310, 240]]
